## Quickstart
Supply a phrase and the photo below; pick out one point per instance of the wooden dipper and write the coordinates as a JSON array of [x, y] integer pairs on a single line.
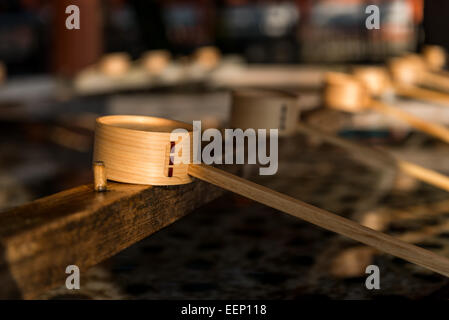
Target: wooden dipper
[[343, 92], [434, 56], [264, 109], [100, 179], [377, 81], [137, 149], [115, 64], [407, 70], [413, 70], [155, 61], [119, 144], [368, 155]]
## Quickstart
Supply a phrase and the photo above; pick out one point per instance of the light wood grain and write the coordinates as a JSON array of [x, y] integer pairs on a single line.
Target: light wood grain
[[412, 69], [322, 218]]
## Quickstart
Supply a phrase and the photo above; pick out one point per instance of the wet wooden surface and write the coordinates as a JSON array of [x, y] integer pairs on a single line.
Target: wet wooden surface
[[82, 227]]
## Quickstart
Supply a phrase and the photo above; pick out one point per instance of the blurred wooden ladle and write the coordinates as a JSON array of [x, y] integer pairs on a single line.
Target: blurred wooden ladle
[[412, 70], [271, 109]]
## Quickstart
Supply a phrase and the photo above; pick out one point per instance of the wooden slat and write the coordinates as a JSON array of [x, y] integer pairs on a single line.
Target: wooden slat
[[82, 227]]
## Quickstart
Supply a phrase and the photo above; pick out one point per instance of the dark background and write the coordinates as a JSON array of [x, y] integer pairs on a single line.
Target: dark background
[[32, 35]]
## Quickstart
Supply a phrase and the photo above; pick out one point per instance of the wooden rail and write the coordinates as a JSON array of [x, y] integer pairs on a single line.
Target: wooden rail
[[83, 227]]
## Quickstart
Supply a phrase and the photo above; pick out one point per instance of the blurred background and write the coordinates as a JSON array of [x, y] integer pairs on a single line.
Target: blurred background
[[33, 39], [179, 59]]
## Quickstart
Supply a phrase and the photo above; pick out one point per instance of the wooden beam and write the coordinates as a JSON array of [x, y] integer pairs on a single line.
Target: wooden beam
[[83, 227]]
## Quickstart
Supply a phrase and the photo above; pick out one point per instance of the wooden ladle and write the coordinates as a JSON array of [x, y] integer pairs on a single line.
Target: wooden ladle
[[115, 65], [345, 93], [412, 70], [378, 82], [130, 146], [271, 109]]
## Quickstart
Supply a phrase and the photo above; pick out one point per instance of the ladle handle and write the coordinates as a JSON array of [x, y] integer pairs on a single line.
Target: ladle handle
[[435, 81], [430, 128], [380, 157], [422, 94], [322, 218]]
